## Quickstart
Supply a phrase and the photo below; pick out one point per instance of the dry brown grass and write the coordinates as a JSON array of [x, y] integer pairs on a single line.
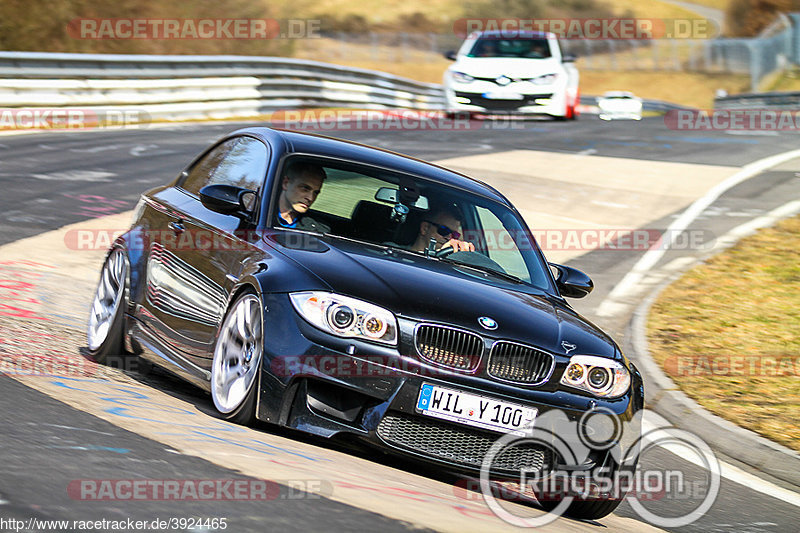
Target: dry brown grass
[[687, 88], [740, 312], [652, 9], [382, 11], [716, 4], [786, 81]]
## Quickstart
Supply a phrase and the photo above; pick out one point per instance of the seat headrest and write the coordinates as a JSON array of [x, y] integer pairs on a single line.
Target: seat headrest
[[371, 221]]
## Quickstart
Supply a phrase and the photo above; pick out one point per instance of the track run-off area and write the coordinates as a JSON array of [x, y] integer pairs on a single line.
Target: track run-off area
[[580, 184]]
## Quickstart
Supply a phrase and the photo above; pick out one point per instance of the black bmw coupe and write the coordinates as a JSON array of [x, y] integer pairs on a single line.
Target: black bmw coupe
[[341, 289]]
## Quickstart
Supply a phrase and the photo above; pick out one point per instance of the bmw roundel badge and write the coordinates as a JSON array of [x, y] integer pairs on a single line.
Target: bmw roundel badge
[[487, 323]]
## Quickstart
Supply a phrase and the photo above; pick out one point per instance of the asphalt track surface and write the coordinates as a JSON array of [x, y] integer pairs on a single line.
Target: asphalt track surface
[[53, 179]]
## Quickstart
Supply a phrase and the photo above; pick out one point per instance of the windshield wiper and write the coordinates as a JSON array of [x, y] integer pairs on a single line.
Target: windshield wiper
[[485, 270]]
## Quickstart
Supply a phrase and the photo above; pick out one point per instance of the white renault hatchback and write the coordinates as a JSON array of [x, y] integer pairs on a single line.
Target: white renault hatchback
[[620, 104], [495, 72]]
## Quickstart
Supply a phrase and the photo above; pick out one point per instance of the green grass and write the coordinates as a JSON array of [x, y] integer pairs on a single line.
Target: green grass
[[728, 333]]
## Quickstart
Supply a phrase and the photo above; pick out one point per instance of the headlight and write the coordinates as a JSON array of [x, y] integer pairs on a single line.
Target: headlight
[[461, 77], [600, 376], [547, 79], [346, 317]]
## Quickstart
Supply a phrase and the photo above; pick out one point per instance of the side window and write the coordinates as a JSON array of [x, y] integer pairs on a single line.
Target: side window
[[241, 161], [343, 190]]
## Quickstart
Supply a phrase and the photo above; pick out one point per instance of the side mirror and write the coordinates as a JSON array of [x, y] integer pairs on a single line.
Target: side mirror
[[571, 282], [569, 58], [228, 199], [451, 55]]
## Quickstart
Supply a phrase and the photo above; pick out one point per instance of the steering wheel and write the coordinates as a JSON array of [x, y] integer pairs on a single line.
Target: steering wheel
[[443, 252]]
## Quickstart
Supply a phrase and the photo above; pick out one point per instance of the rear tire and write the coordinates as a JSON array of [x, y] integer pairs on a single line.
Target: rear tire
[[236, 367]]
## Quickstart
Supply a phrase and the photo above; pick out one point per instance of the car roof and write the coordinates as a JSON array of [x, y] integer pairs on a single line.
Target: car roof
[[310, 143]]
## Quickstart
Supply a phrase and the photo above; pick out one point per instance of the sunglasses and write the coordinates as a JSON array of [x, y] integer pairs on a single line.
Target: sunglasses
[[444, 231]]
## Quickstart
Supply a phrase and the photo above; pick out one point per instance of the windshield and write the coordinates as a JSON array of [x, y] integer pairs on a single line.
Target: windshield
[[408, 213], [532, 48]]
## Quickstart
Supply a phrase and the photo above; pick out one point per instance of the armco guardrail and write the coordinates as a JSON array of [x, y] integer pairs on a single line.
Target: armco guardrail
[[186, 87], [774, 100]]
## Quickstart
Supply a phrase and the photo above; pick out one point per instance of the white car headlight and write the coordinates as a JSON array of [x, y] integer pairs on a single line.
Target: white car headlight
[[547, 79], [346, 317], [602, 377], [461, 77]]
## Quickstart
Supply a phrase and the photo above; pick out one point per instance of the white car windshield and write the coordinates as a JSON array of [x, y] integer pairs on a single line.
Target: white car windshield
[[531, 48]]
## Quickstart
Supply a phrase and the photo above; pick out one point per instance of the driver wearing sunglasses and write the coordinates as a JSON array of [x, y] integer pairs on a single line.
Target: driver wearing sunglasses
[[444, 226]]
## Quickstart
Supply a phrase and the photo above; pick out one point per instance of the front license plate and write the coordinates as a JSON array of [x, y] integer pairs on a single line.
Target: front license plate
[[502, 96], [474, 410]]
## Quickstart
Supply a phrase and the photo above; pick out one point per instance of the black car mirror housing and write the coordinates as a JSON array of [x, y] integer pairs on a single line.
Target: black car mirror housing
[[571, 282], [228, 199]]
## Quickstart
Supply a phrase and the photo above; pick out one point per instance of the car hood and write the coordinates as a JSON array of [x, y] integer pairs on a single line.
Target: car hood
[[425, 289], [513, 67]]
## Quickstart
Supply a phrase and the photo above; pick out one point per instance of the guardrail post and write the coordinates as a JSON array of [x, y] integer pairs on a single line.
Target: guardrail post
[[587, 45], [691, 64], [654, 45], [676, 62], [755, 67], [794, 56], [612, 48], [707, 54]]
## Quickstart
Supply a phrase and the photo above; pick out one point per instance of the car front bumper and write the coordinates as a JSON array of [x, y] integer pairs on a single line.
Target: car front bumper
[[483, 97], [330, 386]]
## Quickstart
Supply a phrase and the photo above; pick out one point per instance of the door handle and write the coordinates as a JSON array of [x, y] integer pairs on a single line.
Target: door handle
[[176, 226]]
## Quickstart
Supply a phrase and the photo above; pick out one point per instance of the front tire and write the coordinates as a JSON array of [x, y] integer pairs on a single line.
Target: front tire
[[106, 328], [236, 366], [593, 508]]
